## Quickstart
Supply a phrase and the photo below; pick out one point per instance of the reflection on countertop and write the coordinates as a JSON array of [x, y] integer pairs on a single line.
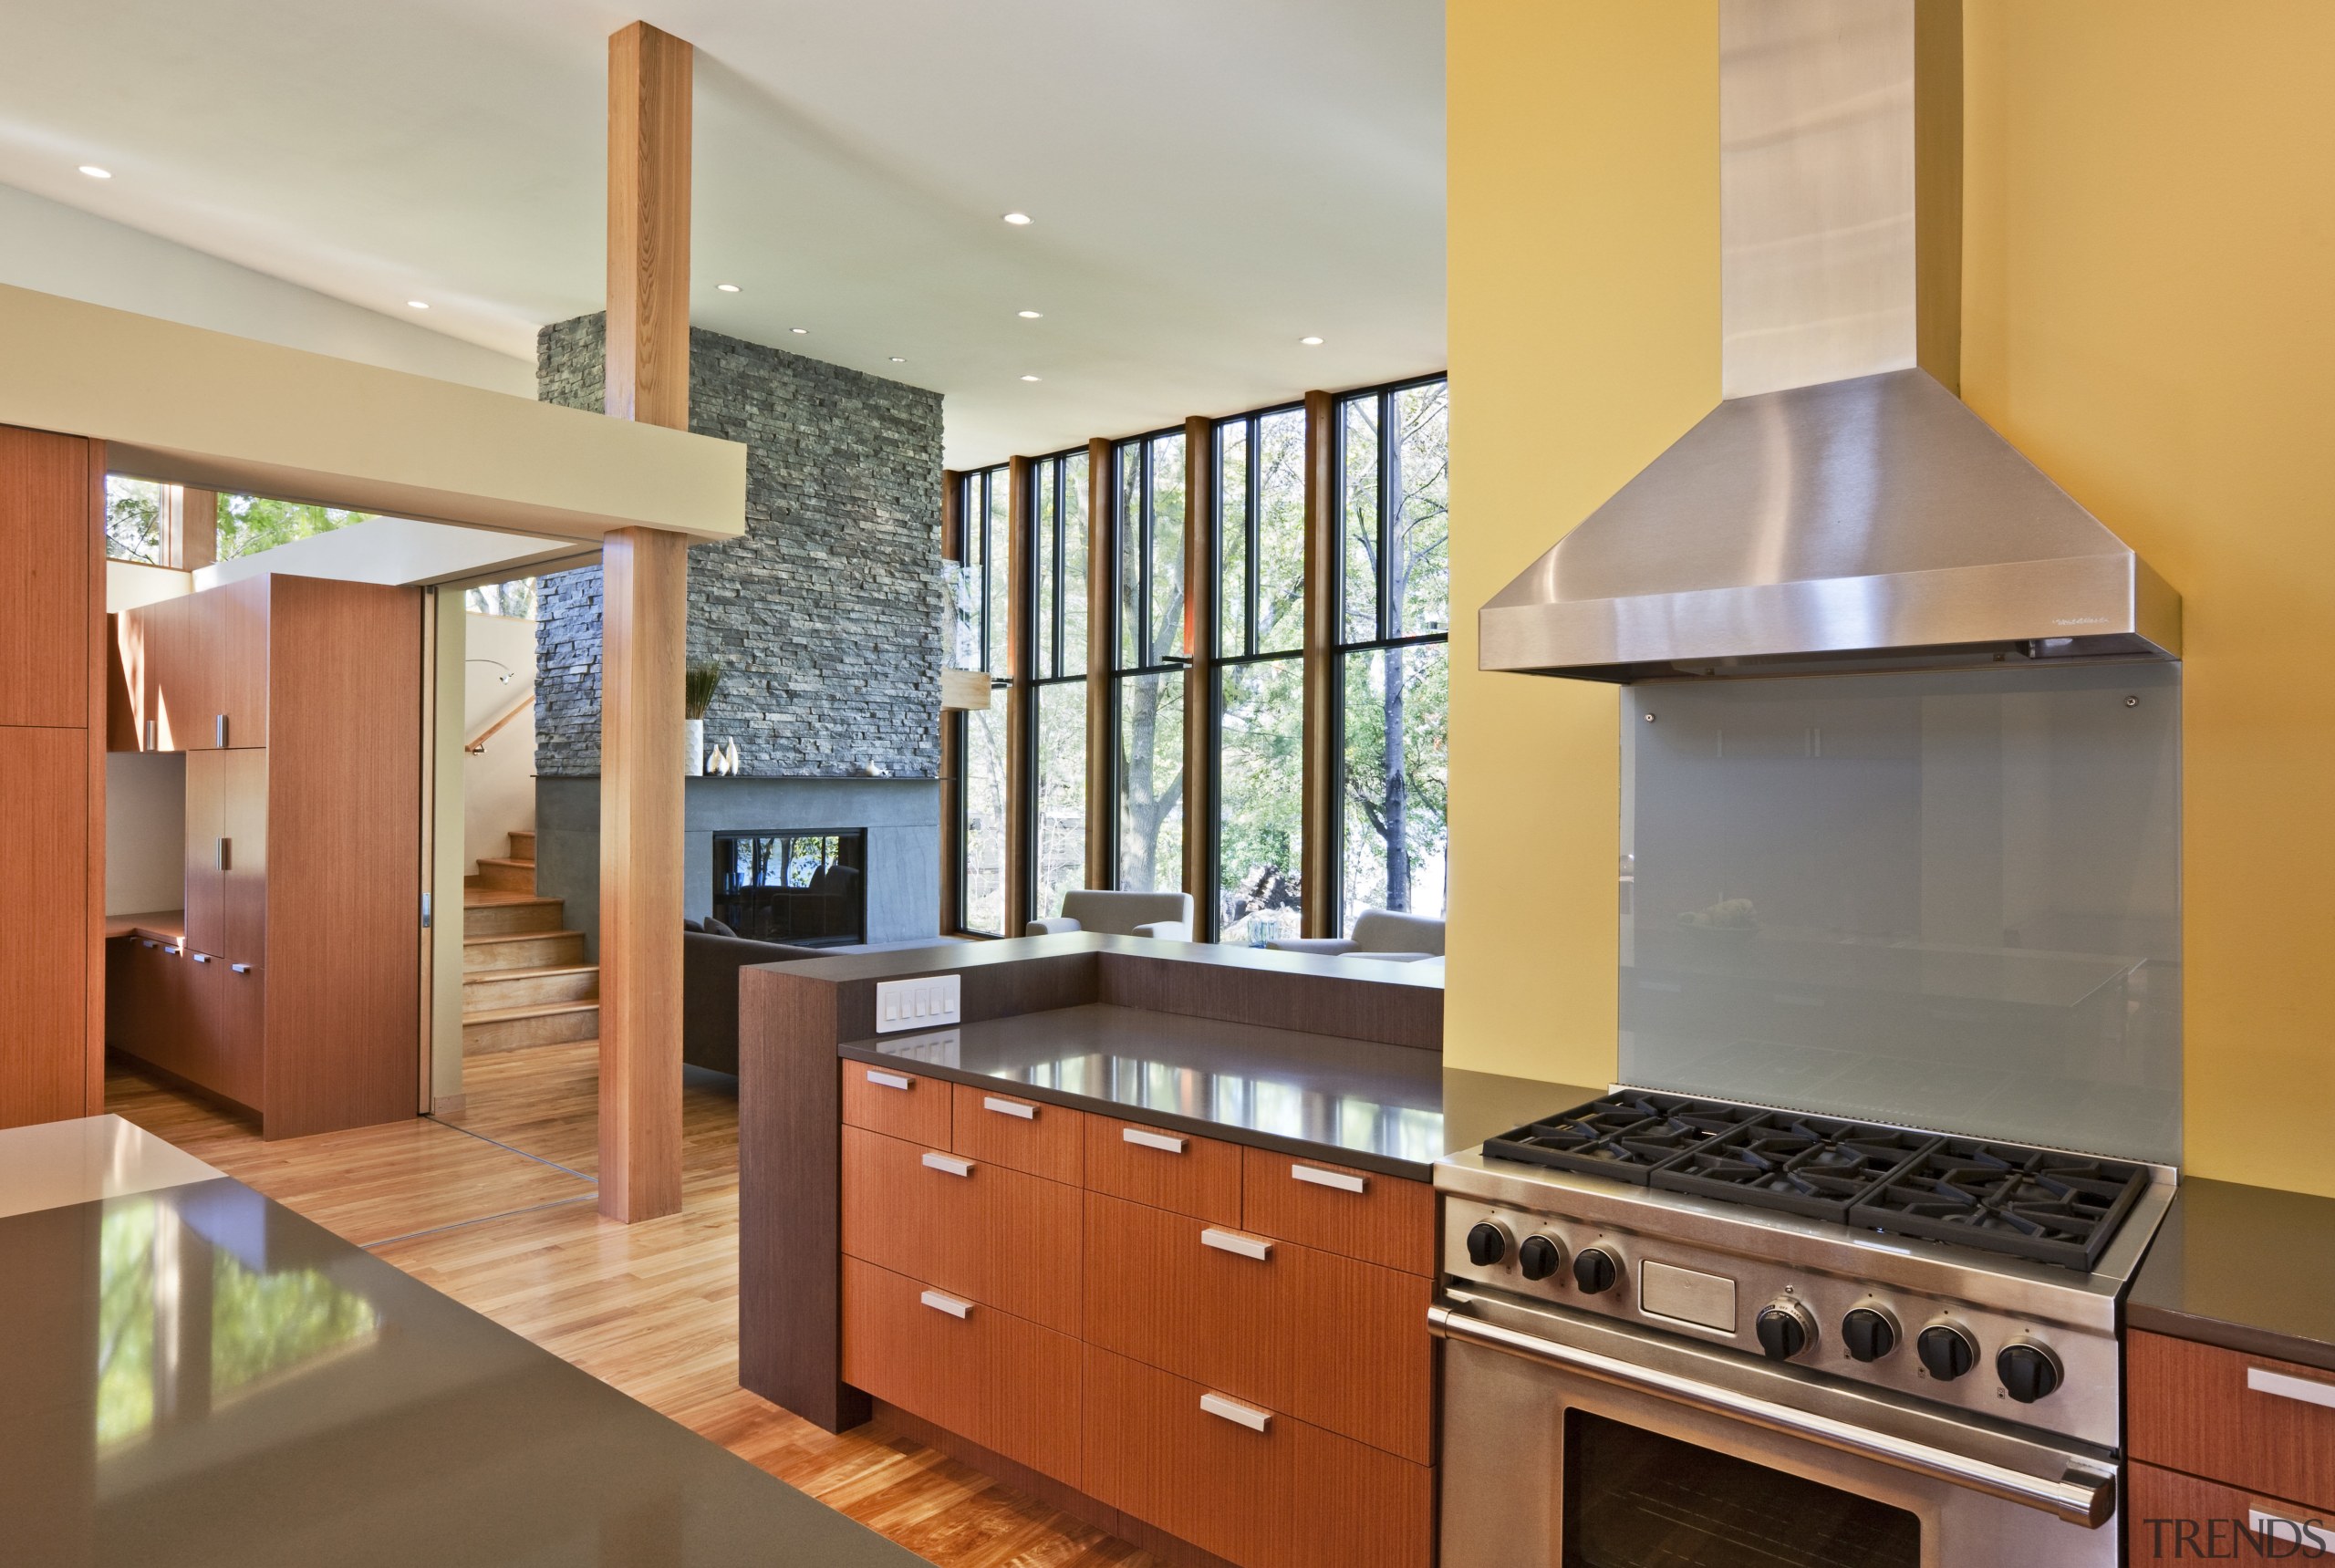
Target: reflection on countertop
[[1386, 1107], [197, 1376]]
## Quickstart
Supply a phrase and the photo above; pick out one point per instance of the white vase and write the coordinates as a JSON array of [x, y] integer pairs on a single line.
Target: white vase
[[693, 748]]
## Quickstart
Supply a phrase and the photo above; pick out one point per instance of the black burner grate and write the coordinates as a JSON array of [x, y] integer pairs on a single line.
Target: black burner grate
[[2058, 1208], [2027, 1202]]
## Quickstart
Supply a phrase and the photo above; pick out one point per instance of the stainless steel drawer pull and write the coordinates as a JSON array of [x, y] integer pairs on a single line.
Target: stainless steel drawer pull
[[1340, 1180], [888, 1080], [2259, 1381], [1159, 1141], [1236, 1242], [947, 1162], [241, 968], [1237, 1413], [201, 957], [2279, 1528], [143, 943], [949, 1304], [1009, 1107]]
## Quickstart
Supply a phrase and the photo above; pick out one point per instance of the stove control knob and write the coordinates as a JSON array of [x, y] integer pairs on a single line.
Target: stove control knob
[[1868, 1333], [2029, 1371], [1487, 1244], [1595, 1269], [1947, 1352], [1785, 1330], [1539, 1256]]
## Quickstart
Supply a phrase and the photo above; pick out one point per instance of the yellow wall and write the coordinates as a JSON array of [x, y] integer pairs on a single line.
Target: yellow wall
[[1584, 300], [2149, 310], [2150, 313]]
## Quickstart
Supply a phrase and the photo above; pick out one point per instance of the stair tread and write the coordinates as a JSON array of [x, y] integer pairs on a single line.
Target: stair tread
[[532, 1009], [492, 975], [476, 898], [505, 860], [485, 936]]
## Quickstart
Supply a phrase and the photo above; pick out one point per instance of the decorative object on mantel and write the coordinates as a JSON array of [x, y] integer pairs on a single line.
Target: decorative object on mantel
[[696, 695], [722, 761], [876, 769]]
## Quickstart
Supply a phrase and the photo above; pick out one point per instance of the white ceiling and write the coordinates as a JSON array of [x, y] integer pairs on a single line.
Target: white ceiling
[[1211, 180]]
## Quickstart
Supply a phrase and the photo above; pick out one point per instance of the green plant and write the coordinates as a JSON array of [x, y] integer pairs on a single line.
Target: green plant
[[697, 690]]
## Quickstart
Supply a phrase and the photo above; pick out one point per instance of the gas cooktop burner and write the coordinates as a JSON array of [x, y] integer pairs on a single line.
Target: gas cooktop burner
[[2027, 1202]]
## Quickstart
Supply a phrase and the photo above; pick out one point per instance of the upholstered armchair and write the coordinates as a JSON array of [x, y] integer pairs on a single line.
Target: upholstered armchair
[[1168, 915], [1380, 934]]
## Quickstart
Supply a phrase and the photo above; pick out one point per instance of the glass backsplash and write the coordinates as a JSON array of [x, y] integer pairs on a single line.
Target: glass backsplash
[[1948, 899]]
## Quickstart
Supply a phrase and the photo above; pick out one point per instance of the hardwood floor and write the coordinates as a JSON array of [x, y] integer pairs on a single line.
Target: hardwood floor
[[497, 1208]]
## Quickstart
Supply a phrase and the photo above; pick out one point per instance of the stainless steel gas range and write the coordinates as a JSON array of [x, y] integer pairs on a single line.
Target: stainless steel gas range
[[1689, 1332]]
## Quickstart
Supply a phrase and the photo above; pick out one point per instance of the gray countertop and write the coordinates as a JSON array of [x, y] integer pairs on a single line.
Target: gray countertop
[[1391, 1108], [2251, 1269], [196, 1375]]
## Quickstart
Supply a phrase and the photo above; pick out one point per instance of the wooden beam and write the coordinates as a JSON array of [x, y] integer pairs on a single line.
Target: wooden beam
[[648, 226], [952, 724], [644, 608], [93, 1044], [1020, 698], [1102, 640], [1319, 811], [1199, 675], [190, 527], [643, 628]]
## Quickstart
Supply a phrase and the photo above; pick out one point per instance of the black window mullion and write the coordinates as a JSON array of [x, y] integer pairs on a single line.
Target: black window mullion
[[1062, 565], [1254, 588], [1386, 481]]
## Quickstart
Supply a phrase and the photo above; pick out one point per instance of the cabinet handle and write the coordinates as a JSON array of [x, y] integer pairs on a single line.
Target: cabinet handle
[[2285, 1387], [2279, 1527], [1237, 1242], [147, 944], [1341, 1180], [240, 968], [888, 1080], [1159, 1141], [218, 730], [949, 1163], [152, 738], [1237, 1413], [226, 854], [200, 958], [949, 1304], [1009, 1107]]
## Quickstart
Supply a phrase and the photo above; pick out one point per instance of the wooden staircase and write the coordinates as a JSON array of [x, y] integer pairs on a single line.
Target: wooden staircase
[[525, 981]]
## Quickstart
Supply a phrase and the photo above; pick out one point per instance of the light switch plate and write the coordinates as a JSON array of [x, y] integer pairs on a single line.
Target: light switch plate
[[930, 1002]]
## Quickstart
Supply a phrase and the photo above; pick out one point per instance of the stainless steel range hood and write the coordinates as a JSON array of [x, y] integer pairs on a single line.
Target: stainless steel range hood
[[1819, 519]]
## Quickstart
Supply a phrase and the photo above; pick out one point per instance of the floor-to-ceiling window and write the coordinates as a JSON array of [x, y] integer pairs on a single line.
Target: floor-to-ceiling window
[[1394, 666], [1259, 698], [1058, 676], [1148, 684], [979, 642]]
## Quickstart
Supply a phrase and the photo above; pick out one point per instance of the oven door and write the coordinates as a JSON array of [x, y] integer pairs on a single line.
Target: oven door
[[1573, 1442]]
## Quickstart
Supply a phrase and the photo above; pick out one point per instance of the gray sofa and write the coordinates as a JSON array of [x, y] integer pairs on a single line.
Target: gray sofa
[[1381, 934], [710, 966], [1168, 915]]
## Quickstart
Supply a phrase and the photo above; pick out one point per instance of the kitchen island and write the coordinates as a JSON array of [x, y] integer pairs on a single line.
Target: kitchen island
[[197, 1376], [1149, 1233]]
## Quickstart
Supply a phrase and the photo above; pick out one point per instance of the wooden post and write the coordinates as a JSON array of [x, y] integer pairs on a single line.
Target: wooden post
[[1318, 812], [1102, 645], [952, 723], [1199, 675], [644, 630], [190, 527], [1020, 698]]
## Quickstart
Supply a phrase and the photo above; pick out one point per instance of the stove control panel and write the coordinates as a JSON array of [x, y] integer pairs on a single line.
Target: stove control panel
[[1955, 1352]]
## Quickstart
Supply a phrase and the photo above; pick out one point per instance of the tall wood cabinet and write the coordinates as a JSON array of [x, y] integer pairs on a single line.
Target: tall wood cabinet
[[52, 774], [295, 990]]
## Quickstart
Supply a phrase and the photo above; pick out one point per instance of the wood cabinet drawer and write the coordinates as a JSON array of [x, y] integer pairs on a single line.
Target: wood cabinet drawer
[[903, 1104], [1003, 1238], [1196, 1176], [1335, 1342], [2173, 1518], [1007, 1383], [1248, 1483], [1361, 1213], [2262, 1424], [1023, 1134]]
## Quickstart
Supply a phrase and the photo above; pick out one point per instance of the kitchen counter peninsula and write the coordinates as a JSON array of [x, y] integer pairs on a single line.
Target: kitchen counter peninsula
[[1142, 1189]]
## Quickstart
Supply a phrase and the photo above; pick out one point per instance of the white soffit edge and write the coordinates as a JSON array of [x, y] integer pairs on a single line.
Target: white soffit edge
[[403, 551], [195, 406]]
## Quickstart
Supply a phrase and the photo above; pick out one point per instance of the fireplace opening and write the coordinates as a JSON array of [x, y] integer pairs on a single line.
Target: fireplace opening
[[804, 886]]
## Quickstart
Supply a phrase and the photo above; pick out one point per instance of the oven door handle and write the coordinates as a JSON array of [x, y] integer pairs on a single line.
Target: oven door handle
[[2083, 1496]]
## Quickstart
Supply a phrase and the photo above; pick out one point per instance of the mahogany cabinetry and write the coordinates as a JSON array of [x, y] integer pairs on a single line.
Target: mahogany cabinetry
[[1226, 1345], [295, 989], [2218, 1435]]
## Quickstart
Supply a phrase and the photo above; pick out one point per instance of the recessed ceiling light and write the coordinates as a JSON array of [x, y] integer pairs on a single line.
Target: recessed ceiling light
[[94, 172], [900, 359], [1029, 378], [1310, 342], [727, 288], [1017, 218], [1033, 314], [800, 331], [418, 304]]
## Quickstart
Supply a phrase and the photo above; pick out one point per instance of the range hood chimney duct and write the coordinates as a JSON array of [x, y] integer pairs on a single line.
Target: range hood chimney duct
[[1840, 509]]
